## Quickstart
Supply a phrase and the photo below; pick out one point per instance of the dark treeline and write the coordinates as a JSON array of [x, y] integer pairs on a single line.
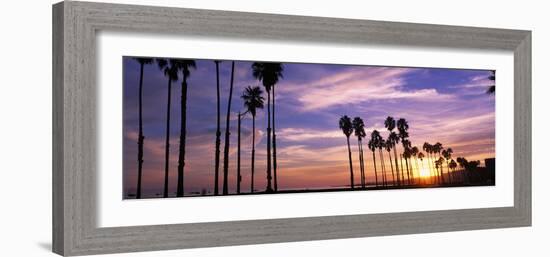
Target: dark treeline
[[442, 167]]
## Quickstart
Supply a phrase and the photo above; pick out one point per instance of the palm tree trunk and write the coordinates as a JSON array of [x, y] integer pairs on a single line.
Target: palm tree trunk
[[253, 154], [350, 165], [396, 166], [183, 132], [225, 189], [402, 170], [417, 168], [360, 163], [441, 172], [268, 189], [218, 131], [408, 171], [239, 154], [363, 172], [383, 169], [392, 173], [448, 173], [167, 143], [140, 136], [375, 172], [274, 142]]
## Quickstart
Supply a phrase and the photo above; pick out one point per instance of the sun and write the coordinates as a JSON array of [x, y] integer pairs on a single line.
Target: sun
[[424, 173]]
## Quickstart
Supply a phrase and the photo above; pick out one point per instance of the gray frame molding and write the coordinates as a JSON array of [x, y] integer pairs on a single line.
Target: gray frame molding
[[74, 104]]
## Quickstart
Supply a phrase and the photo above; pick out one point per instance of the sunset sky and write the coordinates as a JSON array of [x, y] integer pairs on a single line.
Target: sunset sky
[[441, 105]]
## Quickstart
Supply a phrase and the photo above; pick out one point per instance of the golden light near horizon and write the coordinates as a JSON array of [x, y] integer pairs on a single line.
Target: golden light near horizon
[[424, 173]]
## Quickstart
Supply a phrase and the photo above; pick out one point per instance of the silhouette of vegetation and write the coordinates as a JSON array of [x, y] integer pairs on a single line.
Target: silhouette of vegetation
[[170, 70], [253, 100], [491, 89], [225, 188], [359, 128], [269, 74], [185, 67], [218, 131], [347, 128], [142, 62]]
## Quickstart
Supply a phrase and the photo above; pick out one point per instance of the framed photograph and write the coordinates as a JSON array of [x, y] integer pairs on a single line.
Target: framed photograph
[[182, 128]]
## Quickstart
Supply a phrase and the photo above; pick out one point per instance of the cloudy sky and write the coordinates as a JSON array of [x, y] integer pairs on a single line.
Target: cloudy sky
[[441, 105]]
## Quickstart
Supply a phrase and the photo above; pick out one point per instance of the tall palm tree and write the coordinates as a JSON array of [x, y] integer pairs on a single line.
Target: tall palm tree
[[420, 156], [393, 138], [381, 145], [170, 70], [185, 66], [218, 130], [240, 116], [142, 62], [388, 146], [414, 153], [447, 154], [359, 128], [491, 89], [225, 188], [253, 100], [373, 145], [269, 74], [346, 126], [437, 147], [453, 165], [407, 156], [463, 163], [403, 127], [427, 147]]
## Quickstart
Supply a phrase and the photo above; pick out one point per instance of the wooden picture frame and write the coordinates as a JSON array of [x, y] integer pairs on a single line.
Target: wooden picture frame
[[75, 25]]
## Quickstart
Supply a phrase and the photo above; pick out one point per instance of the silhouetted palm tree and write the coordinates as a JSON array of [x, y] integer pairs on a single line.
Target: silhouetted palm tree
[[185, 66], [403, 127], [142, 62], [437, 147], [225, 188], [491, 90], [253, 100], [170, 70], [393, 138], [346, 126], [359, 128], [463, 163], [381, 146], [407, 156], [421, 157], [239, 177], [414, 153], [218, 130], [389, 145], [269, 74], [373, 145], [453, 165], [447, 154], [427, 147]]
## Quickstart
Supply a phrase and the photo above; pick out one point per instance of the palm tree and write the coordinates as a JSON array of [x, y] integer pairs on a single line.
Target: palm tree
[[421, 157], [491, 90], [170, 70], [414, 153], [453, 165], [427, 147], [185, 66], [403, 127], [359, 128], [239, 177], [447, 154], [463, 163], [373, 145], [142, 62], [218, 130], [437, 147], [381, 146], [269, 74], [407, 153], [389, 145], [346, 126], [253, 100], [225, 189], [393, 138]]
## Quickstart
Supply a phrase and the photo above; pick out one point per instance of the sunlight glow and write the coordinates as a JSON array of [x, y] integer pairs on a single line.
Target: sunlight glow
[[424, 173]]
